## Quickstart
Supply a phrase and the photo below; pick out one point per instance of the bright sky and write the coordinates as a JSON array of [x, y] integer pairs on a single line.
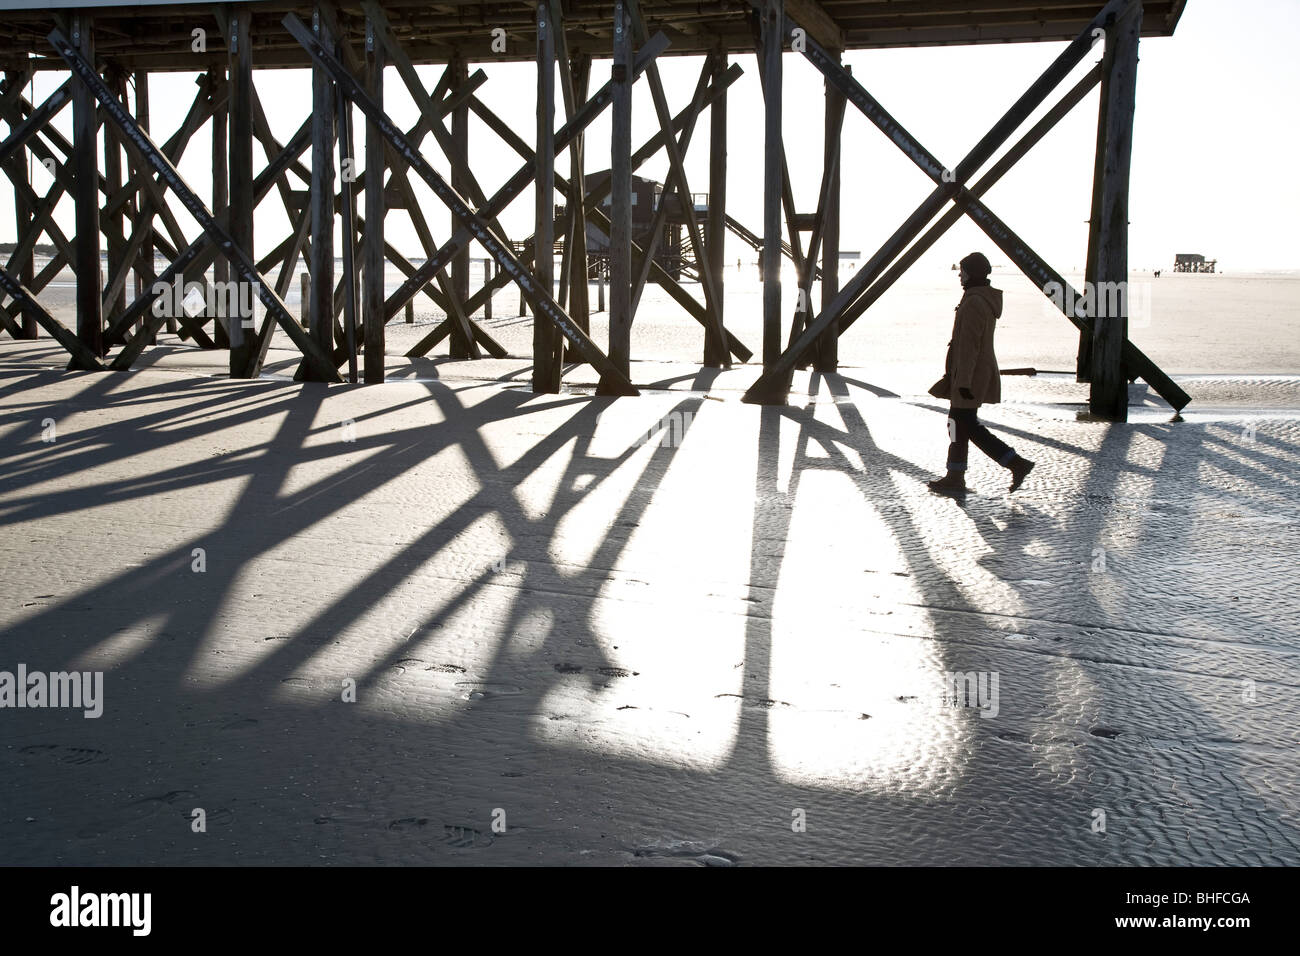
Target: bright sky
[[1215, 137]]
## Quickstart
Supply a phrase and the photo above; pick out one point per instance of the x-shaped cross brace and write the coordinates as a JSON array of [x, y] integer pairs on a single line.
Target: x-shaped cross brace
[[773, 385]]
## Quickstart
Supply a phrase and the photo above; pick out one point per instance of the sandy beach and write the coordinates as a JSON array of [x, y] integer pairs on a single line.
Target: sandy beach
[[445, 621]]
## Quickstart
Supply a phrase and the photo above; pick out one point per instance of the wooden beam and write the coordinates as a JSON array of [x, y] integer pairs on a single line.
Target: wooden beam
[[821, 26]]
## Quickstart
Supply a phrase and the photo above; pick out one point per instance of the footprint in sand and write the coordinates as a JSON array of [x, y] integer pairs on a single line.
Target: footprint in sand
[[76, 756], [488, 689], [446, 668]]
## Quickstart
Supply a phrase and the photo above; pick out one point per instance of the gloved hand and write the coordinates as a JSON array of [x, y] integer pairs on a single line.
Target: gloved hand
[[967, 394]]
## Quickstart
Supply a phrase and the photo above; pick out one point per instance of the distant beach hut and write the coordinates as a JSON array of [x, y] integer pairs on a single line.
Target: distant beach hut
[[1193, 262]]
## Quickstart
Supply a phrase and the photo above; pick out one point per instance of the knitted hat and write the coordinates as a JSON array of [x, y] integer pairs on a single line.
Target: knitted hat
[[976, 265]]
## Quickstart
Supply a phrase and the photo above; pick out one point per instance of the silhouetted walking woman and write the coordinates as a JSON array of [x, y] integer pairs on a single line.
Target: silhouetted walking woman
[[971, 379]]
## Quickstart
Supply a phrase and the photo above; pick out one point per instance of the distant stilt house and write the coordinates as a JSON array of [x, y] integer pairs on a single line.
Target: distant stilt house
[[673, 247], [1193, 262]]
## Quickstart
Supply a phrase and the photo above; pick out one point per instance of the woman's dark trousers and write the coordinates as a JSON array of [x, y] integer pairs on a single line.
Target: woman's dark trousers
[[965, 427]]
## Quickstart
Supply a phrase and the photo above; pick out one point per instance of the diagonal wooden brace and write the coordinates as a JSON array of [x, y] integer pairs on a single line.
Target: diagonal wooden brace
[[136, 139], [612, 380], [82, 356]]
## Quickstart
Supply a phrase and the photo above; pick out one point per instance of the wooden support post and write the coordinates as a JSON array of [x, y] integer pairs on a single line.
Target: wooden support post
[[242, 203], [1108, 392], [546, 343], [579, 304], [1083, 361], [458, 71], [620, 214], [90, 316], [601, 269], [222, 150], [322, 197], [113, 221], [826, 358], [144, 223], [773, 34], [715, 349], [304, 307], [24, 217], [373, 238], [487, 284], [348, 163]]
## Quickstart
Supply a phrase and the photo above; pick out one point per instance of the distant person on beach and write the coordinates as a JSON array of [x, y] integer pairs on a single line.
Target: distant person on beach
[[971, 378]]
